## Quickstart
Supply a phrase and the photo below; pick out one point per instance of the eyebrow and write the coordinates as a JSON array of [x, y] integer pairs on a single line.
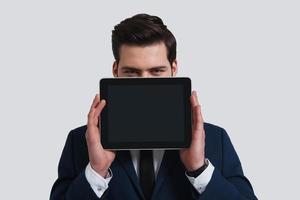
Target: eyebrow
[[137, 69]]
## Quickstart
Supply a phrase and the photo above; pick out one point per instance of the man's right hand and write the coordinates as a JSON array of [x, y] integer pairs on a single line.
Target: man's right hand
[[100, 159]]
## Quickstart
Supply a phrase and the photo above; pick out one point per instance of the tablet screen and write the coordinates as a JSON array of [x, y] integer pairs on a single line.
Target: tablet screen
[[145, 113]]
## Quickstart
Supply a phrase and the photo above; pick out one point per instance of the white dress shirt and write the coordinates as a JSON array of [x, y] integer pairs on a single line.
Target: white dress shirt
[[99, 184]]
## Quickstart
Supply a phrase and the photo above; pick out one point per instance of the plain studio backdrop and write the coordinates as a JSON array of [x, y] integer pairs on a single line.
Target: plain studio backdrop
[[242, 56]]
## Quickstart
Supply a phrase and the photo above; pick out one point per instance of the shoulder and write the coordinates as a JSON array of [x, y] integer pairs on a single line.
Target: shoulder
[[212, 130], [214, 136], [78, 131], [77, 135], [212, 127]]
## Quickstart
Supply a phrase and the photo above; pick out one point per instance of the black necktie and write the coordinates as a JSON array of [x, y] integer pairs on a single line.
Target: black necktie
[[147, 176]]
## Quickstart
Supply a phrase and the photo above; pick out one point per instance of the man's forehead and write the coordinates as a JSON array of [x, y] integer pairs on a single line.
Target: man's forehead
[[144, 56]]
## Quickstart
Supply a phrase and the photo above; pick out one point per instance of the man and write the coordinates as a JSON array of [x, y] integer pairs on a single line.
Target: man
[[208, 169]]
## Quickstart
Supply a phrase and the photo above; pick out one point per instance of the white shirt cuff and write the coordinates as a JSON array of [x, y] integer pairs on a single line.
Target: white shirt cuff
[[201, 181], [96, 181]]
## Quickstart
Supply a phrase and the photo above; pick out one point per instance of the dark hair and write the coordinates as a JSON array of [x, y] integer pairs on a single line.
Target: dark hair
[[142, 30]]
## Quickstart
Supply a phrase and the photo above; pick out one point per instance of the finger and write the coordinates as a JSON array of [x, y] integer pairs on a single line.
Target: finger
[[92, 109], [193, 104], [192, 98], [198, 123], [96, 100], [197, 115], [99, 109], [196, 98], [198, 112], [94, 118], [197, 133]]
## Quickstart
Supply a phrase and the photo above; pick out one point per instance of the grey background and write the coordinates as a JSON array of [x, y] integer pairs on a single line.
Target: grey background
[[242, 56]]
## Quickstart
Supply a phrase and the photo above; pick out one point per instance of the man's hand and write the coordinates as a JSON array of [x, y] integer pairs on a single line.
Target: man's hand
[[193, 157], [100, 159]]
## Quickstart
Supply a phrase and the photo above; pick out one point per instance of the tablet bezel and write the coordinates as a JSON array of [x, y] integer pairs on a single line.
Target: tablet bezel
[[103, 125]]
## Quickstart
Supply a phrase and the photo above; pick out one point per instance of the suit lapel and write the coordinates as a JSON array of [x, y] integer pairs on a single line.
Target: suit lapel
[[126, 162]]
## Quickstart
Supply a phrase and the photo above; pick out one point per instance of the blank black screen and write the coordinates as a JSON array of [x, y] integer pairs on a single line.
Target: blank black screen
[[145, 113]]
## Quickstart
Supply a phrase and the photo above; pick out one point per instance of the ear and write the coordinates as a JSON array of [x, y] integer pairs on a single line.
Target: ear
[[174, 67], [115, 69]]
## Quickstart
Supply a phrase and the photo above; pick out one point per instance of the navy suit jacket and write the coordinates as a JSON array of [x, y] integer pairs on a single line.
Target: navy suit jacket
[[228, 181]]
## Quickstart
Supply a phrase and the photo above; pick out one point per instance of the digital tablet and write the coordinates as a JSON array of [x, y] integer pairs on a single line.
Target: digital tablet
[[145, 113]]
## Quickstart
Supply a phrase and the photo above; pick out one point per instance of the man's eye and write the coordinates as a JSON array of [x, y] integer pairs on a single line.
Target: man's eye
[[157, 70], [129, 72]]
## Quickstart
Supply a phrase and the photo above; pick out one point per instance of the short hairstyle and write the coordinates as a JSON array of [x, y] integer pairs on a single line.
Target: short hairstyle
[[143, 30]]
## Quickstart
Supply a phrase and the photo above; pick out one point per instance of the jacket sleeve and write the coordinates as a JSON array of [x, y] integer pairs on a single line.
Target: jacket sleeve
[[229, 182], [71, 185]]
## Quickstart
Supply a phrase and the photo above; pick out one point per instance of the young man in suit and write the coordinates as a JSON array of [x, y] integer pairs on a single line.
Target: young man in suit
[[208, 169]]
